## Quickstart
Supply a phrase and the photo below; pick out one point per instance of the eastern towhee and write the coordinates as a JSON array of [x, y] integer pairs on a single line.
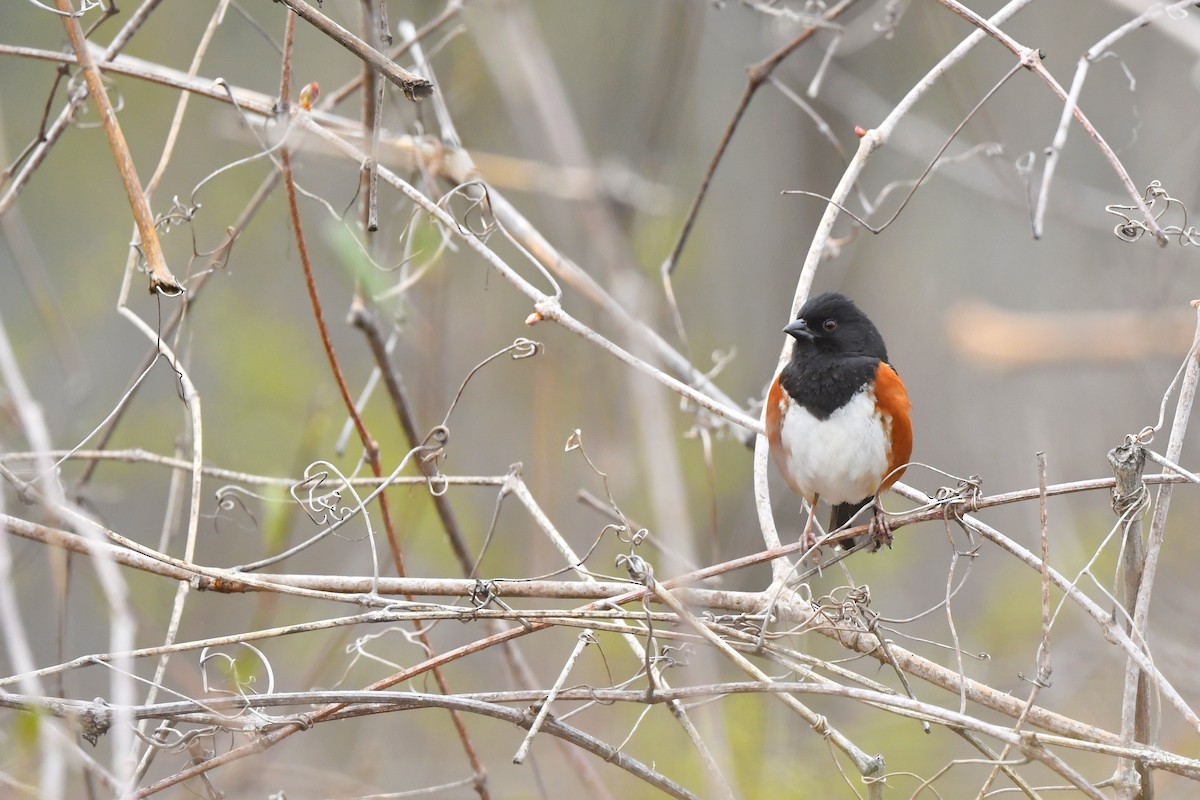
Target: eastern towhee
[[837, 414]]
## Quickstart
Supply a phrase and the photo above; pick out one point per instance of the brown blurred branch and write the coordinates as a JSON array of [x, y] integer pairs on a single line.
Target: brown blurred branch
[[988, 336], [161, 279]]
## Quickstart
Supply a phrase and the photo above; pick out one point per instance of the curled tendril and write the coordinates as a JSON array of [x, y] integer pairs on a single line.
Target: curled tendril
[[437, 483], [892, 13], [482, 202], [521, 348], [478, 205], [304, 721], [666, 662], [525, 348], [327, 508], [78, 85], [1131, 227], [963, 498], [321, 507], [87, 7], [179, 214], [593, 698], [675, 656], [436, 439], [229, 500], [482, 593], [639, 569], [242, 684], [1143, 437], [173, 740], [432, 451], [628, 536], [1131, 505], [853, 607]]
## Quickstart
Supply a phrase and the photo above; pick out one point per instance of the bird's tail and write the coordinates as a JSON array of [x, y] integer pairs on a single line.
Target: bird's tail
[[843, 513]]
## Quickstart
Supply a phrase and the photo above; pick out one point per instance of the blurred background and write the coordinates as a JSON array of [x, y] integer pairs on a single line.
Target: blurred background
[[598, 121]]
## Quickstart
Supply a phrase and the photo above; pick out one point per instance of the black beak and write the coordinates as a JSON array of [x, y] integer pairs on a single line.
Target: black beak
[[798, 329]]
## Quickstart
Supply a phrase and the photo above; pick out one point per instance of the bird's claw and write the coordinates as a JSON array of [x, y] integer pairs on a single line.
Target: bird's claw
[[810, 541], [880, 531]]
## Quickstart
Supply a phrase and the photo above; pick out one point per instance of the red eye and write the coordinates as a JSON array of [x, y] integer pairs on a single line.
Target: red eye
[[830, 325]]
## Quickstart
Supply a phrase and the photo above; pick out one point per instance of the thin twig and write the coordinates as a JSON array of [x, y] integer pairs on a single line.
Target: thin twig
[[161, 279], [414, 86], [372, 119], [451, 10], [543, 711], [1033, 60], [1044, 668], [757, 74], [929, 168]]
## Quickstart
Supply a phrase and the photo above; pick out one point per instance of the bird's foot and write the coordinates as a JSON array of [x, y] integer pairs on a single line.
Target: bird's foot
[[880, 530], [810, 538], [810, 541]]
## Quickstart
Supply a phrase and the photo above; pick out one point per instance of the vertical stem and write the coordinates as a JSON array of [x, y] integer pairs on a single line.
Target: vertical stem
[[1140, 727], [370, 447], [1044, 667]]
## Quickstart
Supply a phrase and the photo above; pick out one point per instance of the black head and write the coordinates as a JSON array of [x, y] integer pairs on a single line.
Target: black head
[[831, 324]]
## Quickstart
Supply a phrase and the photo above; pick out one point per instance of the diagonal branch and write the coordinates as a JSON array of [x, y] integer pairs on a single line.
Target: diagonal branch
[[161, 279]]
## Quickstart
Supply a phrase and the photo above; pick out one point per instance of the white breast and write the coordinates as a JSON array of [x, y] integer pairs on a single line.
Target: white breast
[[842, 458]]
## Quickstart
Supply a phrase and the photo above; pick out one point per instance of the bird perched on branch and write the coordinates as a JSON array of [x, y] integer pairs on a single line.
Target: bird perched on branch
[[837, 414]]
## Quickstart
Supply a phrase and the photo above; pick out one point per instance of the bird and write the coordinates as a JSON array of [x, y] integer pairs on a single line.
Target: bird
[[837, 415]]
